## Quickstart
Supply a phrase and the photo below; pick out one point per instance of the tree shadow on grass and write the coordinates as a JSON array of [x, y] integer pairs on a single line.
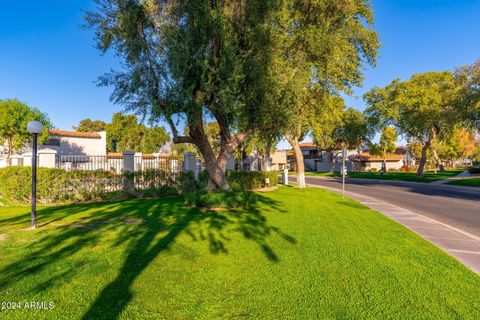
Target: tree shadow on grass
[[148, 226]]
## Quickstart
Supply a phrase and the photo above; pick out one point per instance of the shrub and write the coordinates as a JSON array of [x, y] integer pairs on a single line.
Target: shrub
[[372, 170], [16, 184], [220, 199], [250, 180], [164, 183], [57, 185]]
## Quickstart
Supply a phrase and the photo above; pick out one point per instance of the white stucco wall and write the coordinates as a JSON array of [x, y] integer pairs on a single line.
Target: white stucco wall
[[81, 146]]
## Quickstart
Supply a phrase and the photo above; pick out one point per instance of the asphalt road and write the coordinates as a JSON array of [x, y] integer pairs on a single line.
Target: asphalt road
[[458, 207]]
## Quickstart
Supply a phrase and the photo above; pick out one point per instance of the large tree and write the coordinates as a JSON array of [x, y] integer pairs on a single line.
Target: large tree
[[321, 47], [190, 61], [422, 108], [14, 116]]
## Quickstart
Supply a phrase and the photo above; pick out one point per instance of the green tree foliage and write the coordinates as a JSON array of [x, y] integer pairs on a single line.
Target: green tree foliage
[[422, 108], [14, 116], [350, 131], [89, 125], [386, 145], [125, 133], [353, 130], [320, 49], [461, 144], [192, 60], [468, 77]]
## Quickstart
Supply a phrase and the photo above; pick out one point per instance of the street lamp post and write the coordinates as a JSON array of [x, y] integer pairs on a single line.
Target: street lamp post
[[344, 154], [35, 128]]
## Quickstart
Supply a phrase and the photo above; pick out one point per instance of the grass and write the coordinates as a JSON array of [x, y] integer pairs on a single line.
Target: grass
[[469, 182], [294, 254], [429, 176]]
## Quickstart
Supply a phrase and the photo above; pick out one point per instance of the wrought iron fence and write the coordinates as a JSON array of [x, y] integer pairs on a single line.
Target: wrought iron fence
[[90, 163], [168, 164], [116, 164]]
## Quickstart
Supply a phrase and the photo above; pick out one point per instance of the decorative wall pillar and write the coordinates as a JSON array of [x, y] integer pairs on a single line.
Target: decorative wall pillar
[[129, 170]]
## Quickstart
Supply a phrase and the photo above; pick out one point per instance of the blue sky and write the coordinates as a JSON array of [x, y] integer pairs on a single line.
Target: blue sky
[[49, 62]]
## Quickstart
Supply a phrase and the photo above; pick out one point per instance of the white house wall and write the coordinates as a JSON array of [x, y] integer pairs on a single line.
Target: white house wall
[[81, 145]]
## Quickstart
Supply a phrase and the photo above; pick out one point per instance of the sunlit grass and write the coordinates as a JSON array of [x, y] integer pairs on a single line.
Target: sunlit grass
[[300, 254], [429, 176], [473, 182]]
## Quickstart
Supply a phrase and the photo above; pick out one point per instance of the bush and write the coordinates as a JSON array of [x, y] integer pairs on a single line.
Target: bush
[[57, 185], [250, 180], [164, 183], [220, 199], [372, 170]]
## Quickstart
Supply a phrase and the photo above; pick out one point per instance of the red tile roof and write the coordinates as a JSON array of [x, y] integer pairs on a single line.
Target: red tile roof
[[366, 156], [308, 146], [76, 134]]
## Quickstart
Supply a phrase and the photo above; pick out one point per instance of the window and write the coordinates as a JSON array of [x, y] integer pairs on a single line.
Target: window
[[52, 142]]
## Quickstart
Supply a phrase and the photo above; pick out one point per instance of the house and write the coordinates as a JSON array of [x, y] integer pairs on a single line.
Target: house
[[316, 159], [395, 161], [77, 143], [311, 154], [279, 160]]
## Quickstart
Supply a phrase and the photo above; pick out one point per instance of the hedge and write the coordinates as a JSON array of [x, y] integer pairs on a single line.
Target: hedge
[[250, 180], [57, 185]]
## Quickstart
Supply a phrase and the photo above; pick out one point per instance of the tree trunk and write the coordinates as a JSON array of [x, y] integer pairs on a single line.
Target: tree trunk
[[268, 148], [438, 162], [330, 157], [297, 153], [423, 160], [215, 167], [384, 160], [10, 151]]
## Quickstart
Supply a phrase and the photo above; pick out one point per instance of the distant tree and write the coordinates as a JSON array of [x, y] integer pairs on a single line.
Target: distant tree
[[386, 145], [350, 131], [125, 133], [88, 125], [462, 143], [14, 116], [153, 139], [422, 108]]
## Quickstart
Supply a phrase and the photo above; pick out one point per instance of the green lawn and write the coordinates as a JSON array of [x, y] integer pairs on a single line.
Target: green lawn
[[473, 182], [429, 176], [296, 254]]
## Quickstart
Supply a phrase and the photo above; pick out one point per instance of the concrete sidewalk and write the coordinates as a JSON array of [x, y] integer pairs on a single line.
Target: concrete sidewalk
[[462, 245]]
